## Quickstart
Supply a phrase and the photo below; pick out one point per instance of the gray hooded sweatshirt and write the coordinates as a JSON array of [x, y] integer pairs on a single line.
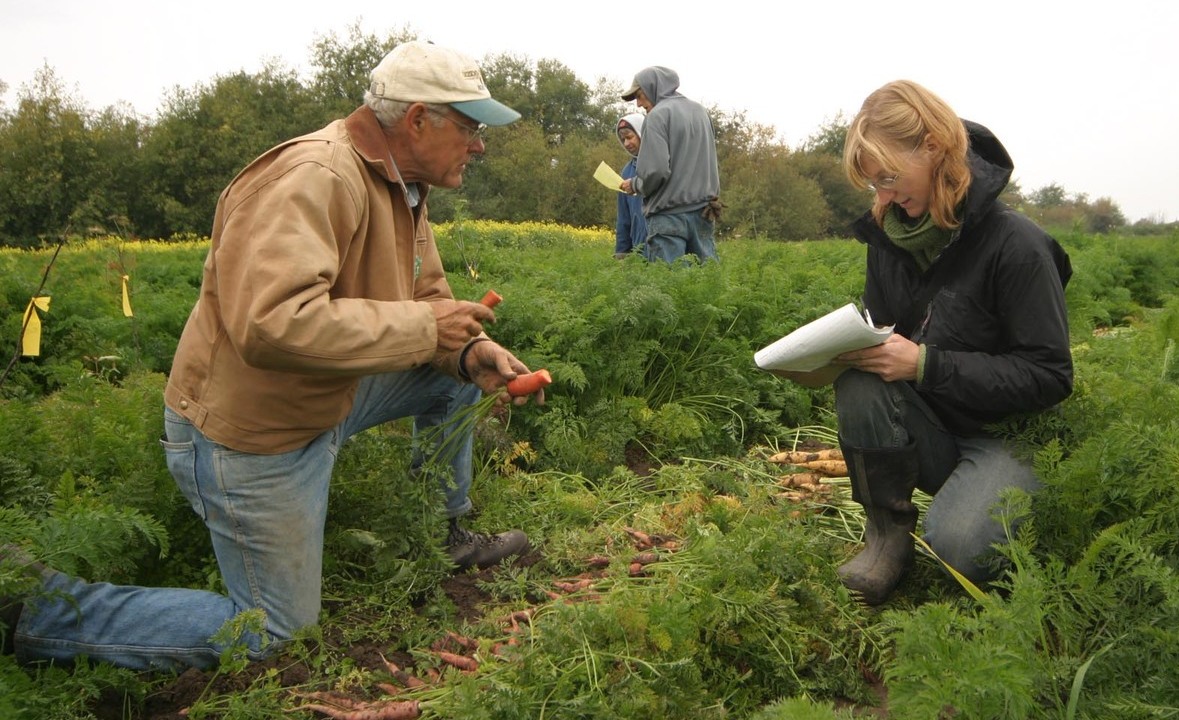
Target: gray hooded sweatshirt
[[677, 169]]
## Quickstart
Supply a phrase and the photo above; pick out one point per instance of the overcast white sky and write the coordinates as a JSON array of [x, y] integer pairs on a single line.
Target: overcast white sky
[[1084, 94]]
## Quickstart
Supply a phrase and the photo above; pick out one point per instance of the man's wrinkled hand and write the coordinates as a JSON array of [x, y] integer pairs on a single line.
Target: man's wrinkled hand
[[458, 321], [491, 367]]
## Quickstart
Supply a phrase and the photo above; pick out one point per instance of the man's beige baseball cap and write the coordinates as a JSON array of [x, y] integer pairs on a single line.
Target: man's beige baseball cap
[[418, 71]]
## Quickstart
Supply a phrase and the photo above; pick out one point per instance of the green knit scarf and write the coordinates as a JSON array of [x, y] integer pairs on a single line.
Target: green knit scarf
[[921, 238]]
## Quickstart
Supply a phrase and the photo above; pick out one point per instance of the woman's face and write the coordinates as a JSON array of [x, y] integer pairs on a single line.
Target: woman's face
[[910, 187], [629, 139]]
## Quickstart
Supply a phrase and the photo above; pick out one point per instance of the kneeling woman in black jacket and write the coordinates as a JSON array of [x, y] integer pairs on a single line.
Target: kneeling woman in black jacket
[[976, 293]]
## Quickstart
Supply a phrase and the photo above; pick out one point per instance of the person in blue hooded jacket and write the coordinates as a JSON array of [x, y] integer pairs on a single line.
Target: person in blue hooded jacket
[[975, 292], [677, 174], [630, 228]]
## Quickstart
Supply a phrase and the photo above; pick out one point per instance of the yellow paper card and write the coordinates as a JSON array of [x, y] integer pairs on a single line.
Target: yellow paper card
[[606, 175]]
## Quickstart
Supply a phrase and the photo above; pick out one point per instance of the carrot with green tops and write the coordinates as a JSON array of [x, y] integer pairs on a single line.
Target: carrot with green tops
[[530, 383]]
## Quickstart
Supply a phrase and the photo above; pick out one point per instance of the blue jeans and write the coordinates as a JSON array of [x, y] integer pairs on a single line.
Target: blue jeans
[[266, 516], [965, 475], [671, 235]]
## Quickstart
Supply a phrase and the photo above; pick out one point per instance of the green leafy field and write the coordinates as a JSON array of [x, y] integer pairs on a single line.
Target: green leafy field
[[670, 576]]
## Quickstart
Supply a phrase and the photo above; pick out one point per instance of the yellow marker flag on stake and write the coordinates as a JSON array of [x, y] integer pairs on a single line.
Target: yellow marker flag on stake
[[30, 339], [126, 299]]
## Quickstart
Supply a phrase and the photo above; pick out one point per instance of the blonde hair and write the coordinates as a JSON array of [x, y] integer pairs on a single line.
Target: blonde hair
[[894, 120]]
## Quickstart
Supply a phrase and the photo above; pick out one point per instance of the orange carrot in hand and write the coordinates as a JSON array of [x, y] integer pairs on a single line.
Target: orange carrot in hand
[[491, 298], [530, 383]]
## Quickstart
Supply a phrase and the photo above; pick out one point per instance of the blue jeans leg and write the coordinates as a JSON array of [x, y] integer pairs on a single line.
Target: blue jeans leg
[[670, 236], [265, 515], [959, 525], [443, 433], [965, 475], [134, 627]]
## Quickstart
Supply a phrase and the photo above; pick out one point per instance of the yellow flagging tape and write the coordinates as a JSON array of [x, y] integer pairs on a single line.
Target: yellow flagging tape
[[126, 298], [30, 341], [974, 590]]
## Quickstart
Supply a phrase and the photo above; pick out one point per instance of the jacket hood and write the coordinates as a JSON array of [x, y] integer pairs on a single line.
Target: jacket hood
[[990, 171], [635, 121], [658, 83]]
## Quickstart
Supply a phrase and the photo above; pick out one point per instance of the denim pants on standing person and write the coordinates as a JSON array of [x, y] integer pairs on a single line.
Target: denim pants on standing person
[[266, 516], [671, 235], [965, 475]]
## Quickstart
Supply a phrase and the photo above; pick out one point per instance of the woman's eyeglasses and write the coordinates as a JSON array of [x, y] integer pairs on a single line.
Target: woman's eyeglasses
[[889, 181]]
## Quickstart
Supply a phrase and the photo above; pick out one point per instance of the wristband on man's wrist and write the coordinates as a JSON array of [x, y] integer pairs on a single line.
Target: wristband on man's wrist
[[462, 359]]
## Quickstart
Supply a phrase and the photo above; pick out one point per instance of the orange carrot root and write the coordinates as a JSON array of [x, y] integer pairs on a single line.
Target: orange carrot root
[[401, 675], [461, 662], [462, 640], [530, 383], [336, 700], [597, 561], [576, 586], [645, 558], [399, 710], [491, 298], [642, 539]]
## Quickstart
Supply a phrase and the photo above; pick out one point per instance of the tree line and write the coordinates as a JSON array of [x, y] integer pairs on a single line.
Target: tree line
[[68, 170]]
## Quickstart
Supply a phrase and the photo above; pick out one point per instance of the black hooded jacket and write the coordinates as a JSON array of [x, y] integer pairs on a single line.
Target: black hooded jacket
[[990, 310]]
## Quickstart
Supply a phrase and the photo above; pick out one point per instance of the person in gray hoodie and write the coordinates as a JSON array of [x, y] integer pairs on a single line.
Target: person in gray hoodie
[[677, 175]]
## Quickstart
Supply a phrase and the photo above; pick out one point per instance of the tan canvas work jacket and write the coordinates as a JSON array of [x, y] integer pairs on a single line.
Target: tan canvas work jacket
[[319, 273]]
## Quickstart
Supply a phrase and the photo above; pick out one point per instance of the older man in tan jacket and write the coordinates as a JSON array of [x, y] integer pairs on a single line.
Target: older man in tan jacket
[[323, 310]]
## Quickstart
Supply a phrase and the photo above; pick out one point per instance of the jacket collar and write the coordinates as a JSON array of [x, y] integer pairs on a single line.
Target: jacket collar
[[370, 141]]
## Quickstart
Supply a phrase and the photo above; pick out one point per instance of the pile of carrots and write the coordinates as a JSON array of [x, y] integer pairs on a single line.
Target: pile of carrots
[[807, 482], [459, 652]]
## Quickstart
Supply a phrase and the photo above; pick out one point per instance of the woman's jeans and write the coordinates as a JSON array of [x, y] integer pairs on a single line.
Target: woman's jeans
[[965, 475], [266, 515]]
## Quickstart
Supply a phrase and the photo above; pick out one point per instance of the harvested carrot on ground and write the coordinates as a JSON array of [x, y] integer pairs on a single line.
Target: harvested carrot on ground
[[399, 710], [803, 456], [530, 383], [573, 586], [462, 662], [402, 676], [491, 298], [830, 468], [800, 479], [643, 541], [342, 702]]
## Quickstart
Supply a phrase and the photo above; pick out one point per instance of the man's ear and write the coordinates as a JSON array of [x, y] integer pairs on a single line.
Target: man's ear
[[416, 117]]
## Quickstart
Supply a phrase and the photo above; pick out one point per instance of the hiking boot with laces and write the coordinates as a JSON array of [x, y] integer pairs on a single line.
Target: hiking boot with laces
[[472, 549]]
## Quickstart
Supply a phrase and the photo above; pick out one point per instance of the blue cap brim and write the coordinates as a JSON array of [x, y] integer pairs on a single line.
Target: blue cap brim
[[488, 111]]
